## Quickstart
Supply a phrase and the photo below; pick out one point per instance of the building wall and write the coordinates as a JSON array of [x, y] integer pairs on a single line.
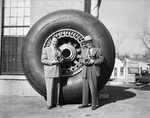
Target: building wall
[[40, 8], [129, 69], [17, 87], [144, 66], [0, 20], [118, 65], [18, 84]]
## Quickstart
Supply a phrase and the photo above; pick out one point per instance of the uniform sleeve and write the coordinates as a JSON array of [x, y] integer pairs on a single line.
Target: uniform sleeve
[[99, 57], [59, 54], [44, 57]]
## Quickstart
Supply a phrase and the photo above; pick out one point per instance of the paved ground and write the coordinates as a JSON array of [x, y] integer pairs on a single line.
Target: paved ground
[[125, 101]]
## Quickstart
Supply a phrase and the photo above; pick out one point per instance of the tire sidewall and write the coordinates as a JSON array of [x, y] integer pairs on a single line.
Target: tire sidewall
[[64, 19]]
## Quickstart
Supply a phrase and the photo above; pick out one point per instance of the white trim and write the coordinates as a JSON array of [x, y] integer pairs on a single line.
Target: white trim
[[12, 77]]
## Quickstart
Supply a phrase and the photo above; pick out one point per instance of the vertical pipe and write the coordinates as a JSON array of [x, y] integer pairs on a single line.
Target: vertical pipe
[[87, 6], [95, 5], [1, 33], [92, 7]]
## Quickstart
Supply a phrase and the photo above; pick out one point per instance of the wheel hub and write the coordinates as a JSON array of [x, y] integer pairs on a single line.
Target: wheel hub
[[69, 42], [68, 52]]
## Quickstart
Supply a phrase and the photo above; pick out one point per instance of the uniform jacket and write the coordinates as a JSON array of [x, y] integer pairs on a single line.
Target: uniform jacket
[[48, 55], [98, 59]]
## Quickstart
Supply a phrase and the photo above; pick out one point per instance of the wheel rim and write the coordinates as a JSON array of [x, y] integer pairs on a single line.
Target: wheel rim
[[69, 42]]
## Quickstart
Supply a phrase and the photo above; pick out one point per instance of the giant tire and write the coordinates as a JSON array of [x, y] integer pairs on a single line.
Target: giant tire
[[71, 86]]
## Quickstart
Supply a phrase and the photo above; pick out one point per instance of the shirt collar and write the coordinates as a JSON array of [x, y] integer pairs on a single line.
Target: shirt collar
[[53, 47]]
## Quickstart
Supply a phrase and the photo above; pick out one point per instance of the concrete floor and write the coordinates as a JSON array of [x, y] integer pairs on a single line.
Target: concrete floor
[[131, 101]]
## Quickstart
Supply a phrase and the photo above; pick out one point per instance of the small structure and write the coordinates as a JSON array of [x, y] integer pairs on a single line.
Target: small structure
[[126, 68], [118, 72]]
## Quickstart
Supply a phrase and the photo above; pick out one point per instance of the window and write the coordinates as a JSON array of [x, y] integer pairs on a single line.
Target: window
[[16, 17], [121, 71], [133, 70], [115, 72], [16, 24]]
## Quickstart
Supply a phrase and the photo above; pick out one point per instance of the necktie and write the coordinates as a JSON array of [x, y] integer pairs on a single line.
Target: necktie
[[56, 54], [89, 53]]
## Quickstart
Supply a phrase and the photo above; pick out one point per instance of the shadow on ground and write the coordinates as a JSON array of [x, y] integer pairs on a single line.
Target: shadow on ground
[[142, 86], [116, 93]]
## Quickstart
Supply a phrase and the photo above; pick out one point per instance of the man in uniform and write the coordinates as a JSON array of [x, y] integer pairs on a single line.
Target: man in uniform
[[91, 58], [51, 59]]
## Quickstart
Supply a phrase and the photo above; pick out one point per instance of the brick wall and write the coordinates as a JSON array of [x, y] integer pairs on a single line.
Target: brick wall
[[0, 19], [39, 8]]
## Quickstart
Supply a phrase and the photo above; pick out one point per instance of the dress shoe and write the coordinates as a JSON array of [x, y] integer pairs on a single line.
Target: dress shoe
[[93, 107], [49, 107], [59, 105], [82, 106], [54, 105]]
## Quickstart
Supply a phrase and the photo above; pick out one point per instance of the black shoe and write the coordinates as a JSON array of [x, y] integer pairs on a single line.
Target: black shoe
[[59, 105], [54, 105], [93, 107], [49, 107], [82, 106]]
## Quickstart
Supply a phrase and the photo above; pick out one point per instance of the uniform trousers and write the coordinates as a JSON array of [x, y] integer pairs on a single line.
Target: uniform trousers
[[53, 90], [90, 82]]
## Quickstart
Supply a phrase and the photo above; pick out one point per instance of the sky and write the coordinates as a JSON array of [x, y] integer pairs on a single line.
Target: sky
[[126, 19]]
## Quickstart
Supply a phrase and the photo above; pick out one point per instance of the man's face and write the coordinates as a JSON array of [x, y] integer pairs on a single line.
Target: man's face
[[89, 45], [54, 42]]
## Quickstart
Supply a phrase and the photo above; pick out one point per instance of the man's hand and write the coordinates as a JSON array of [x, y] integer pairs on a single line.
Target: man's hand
[[61, 60], [86, 61], [49, 63], [91, 61], [55, 62]]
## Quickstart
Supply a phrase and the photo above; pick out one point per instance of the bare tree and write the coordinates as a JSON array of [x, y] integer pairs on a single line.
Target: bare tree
[[137, 55], [118, 41], [146, 54], [125, 55], [145, 38]]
